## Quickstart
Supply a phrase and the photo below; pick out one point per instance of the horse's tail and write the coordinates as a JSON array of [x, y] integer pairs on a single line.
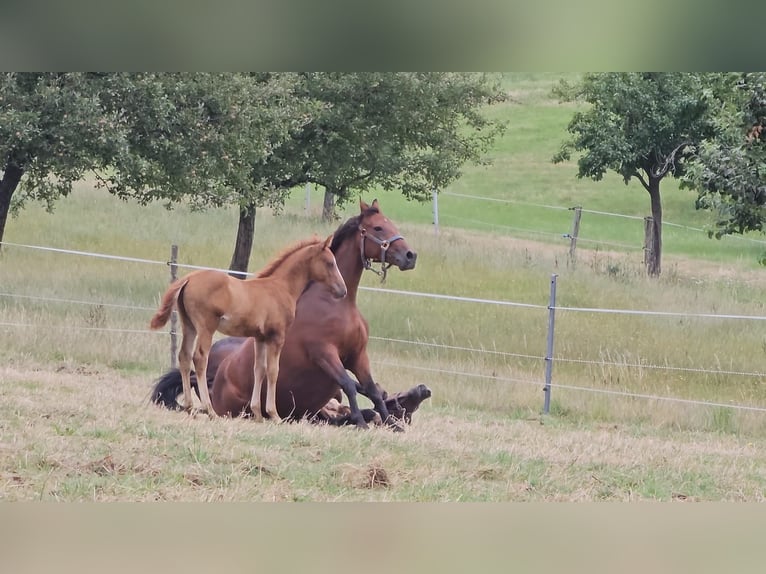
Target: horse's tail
[[168, 302], [168, 387]]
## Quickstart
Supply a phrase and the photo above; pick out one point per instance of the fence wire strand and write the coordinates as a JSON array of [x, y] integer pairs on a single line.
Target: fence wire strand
[[437, 345], [75, 302]]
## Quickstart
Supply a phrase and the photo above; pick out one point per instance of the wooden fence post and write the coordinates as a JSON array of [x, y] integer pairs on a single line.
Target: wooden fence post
[[574, 234], [435, 209], [174, 314], [648, 241]]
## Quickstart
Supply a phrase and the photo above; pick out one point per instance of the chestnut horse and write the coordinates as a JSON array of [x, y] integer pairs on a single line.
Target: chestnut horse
[[328, 337], [262, 308]]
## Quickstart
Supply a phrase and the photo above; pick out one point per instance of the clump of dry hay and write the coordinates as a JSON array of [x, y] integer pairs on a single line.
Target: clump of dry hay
[[372, 475]]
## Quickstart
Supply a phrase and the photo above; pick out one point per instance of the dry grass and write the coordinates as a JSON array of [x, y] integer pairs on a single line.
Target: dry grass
[[78, 434]]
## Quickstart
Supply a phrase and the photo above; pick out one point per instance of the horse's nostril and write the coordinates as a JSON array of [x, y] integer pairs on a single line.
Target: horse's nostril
[[410, 255]]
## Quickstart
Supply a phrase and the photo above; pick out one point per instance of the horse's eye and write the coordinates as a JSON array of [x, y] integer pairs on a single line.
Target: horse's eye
[[378, 228]]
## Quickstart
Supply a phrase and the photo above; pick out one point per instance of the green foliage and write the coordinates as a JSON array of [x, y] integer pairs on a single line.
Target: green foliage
[[53, 130], [729, 169], [247, 139], [197, 136], [638, 125], [148, 136], [407, 131]]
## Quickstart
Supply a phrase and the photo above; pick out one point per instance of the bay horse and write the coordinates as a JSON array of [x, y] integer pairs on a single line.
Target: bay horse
[[328, 337], [262, 308]]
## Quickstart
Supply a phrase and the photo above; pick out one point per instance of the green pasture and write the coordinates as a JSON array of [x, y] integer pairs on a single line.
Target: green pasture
[[534, 194], [86, 318]]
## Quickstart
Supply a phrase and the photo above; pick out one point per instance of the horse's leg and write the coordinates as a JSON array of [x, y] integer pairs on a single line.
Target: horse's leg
[[361, 369], [204, 342], [272, 372], [331, 364], [188, 335], [259, 373]]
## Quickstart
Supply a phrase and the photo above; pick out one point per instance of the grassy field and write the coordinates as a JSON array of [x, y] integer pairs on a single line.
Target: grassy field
[[79, 434], [78, 360]]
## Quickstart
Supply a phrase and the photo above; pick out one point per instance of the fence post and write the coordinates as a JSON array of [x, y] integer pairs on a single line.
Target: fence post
[[308, 199], [174, 314], [549, 349], [648, 241], [574, 234], [435, 202]]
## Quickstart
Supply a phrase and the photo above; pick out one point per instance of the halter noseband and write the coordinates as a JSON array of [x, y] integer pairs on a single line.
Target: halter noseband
[[384, 245]]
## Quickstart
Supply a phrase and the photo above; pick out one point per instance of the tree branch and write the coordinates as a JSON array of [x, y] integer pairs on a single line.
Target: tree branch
[[639, 177], [670, 160], [345, 184]]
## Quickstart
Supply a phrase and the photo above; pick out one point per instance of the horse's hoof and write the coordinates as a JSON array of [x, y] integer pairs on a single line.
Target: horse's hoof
[[202, 411], [395, 425]]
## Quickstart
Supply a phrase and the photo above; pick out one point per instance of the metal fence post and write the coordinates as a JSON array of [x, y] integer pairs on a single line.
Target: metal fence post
[[174, 314], [549, 348]]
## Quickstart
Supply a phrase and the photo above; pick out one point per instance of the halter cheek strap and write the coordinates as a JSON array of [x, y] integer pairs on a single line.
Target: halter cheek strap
[[384, 245]]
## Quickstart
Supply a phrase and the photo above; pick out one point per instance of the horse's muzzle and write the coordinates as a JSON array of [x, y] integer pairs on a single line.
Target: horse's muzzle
[[404, 260], [340, 291]]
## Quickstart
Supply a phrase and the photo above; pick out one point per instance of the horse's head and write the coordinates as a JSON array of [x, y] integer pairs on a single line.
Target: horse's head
[[381, 241], [402, 405], [324, 269]]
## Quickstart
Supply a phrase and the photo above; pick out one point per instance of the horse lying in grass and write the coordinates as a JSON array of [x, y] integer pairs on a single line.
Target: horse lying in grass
[[262, 308], [400, 406], [327, 338]]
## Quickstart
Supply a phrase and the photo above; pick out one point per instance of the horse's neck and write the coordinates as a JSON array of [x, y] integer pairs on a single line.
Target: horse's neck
[[349, 262], [293, 274]]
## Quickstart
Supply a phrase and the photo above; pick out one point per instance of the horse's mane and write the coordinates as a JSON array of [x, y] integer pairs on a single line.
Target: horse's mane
[[278, 259], [350, 227]]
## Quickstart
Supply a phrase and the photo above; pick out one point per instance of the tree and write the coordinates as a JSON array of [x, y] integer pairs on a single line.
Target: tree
[[172, 137], [729, 169], [52, 131], [196, 136], [638, 125], [214, 139], [200, 137], [406, 131]]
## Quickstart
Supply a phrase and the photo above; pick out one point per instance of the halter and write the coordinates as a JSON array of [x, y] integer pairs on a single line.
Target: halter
[[384, 245]]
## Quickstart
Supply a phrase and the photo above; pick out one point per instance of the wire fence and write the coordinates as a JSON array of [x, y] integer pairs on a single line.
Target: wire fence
[[563, 234], [558, 383]]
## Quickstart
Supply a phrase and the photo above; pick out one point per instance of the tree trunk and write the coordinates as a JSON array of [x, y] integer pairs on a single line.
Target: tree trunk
[[8, 185], [653, 264], [328, 207], [244, 245]]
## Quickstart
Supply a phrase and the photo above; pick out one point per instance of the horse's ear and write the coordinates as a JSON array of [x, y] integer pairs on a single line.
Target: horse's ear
[[375, 203], [363, 206], [327, 242]]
